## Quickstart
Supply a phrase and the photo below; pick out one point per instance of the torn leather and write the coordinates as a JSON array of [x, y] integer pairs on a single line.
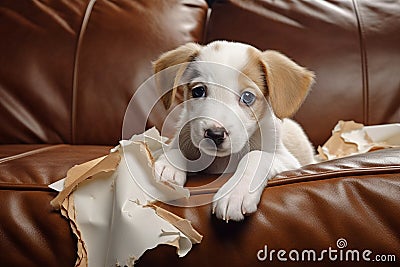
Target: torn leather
[[108, 202], [350, 138]]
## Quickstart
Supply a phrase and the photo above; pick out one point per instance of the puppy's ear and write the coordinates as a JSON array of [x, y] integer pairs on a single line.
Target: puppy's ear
[[288, 83], [167, 80]]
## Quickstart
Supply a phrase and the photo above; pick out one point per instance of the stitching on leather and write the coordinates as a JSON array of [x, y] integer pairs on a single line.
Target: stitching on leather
[[82, 30], [364, 63], [29, 153]]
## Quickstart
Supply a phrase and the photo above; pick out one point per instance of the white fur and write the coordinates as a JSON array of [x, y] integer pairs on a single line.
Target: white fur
[[259, 147]]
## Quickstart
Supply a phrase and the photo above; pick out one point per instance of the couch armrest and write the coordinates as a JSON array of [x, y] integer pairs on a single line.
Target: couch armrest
[[353, 198]]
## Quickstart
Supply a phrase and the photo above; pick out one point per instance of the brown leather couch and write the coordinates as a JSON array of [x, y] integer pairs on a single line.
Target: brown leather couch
[[68, 70]]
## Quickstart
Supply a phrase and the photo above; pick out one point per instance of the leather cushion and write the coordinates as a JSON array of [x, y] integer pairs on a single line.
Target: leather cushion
[[353, 198]]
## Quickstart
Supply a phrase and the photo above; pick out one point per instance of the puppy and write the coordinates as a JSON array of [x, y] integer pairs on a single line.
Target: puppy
[[235, 102]]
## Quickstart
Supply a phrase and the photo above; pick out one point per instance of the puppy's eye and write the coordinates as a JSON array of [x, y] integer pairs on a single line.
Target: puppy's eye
[[199, 91], [247, 98]]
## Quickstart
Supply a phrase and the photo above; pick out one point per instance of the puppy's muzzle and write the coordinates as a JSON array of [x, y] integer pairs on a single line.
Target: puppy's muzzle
[[216, 134]]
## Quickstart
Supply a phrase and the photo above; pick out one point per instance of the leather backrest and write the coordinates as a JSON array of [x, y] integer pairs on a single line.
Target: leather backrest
[[69, 69]]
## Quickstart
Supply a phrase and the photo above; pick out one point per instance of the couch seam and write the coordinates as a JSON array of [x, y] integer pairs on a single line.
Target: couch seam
[[345, 172], [205, 26], [273, 182], [306, 179], [29, 153], [82, 30], [26, 187], [364, 62]]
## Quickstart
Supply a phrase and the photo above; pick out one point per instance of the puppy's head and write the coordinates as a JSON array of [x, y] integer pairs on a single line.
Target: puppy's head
[[226, 88]]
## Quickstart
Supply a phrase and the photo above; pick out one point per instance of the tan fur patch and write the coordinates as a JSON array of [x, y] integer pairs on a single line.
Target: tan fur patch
[[216, 46], [253, 74], [182, 54], [288, 83]]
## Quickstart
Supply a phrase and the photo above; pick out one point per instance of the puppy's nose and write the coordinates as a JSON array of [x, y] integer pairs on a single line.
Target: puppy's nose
[[217, 134]]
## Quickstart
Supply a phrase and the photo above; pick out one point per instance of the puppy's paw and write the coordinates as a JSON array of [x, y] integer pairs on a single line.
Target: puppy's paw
[[233, 204], [166, 173]]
